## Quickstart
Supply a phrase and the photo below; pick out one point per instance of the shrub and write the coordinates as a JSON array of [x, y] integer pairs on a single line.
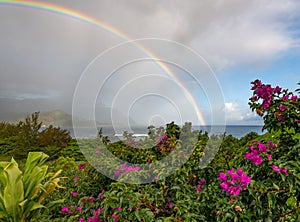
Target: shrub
[[27, 136]]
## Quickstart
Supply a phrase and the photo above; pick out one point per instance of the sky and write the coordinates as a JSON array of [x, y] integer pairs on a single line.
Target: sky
[[146, 62]]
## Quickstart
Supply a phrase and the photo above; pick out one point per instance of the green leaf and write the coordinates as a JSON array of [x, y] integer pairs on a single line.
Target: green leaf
[[268, 219], [34, 174], [33, 181], [175, 188], [34, 159], [271, 200], [138, 215], [53, 203], [150, 215], [291, 202], [14, 191], [30, 206], [276, 187]]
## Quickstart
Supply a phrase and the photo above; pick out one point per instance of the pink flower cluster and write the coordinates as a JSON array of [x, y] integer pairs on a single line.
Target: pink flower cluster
[[65, 210], [286, 97], [71, 210], [280, 170], [256, 152], [239, 181], [132, 143], [264, 92], [282, 108], [82, 166], [101, 195], [201, 183], [161, 140], [90, 199], [95, 217], [124, 169]]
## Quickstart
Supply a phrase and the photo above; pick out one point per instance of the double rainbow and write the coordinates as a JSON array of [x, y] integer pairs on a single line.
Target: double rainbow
[[82, 17]]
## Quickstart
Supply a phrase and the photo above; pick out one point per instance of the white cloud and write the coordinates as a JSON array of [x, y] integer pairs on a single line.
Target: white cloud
[[239, 114], [225, 33], [255, 34]]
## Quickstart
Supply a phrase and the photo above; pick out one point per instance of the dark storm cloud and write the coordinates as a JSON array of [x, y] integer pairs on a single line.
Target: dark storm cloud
[[43, 54]]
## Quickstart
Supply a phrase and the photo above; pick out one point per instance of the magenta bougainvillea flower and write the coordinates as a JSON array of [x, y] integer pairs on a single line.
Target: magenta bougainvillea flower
[[82, 166], [94, 219], [269, 156], [161, 140], [79, 208], [200, 187], [276, 168], [170, 204], [116, 217], [125, 169], [254, 157], [98, 211], [294, 98], [65, 210], [132, 143], [101, 195], [282, 108], [264, 92], [280, 170], [257, 150], [284, 98], [118, 173], [284, 170], [238, 181], [117, 209], [280, 118]]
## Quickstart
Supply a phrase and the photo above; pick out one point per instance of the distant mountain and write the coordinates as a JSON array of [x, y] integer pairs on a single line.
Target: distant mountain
[[60, 118], [55, 118]]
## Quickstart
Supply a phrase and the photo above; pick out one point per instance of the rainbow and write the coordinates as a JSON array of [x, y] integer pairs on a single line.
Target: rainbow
[[82, 17]]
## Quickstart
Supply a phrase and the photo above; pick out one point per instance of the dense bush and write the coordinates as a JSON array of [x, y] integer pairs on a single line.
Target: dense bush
[[19, 139], [255, 178]]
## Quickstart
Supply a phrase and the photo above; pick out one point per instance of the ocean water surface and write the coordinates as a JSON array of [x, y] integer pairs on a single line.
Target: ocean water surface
[[237, 131]]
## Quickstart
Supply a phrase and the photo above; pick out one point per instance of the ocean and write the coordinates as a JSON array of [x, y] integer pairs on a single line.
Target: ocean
[[237, 131]]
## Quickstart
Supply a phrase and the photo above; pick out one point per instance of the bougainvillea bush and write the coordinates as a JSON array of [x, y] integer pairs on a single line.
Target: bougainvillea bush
[[254, 178]]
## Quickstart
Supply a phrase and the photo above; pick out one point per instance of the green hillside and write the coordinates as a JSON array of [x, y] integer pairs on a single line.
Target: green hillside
[[56, 118]]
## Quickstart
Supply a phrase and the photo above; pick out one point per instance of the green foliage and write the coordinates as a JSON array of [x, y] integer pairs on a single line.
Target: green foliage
[[192, 192], [22, 194], [173, 130], [72, 150], [279, 108], [19, 139], [65, 163], [270, 196], [8, 130], [29, 131], [54, 136]]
